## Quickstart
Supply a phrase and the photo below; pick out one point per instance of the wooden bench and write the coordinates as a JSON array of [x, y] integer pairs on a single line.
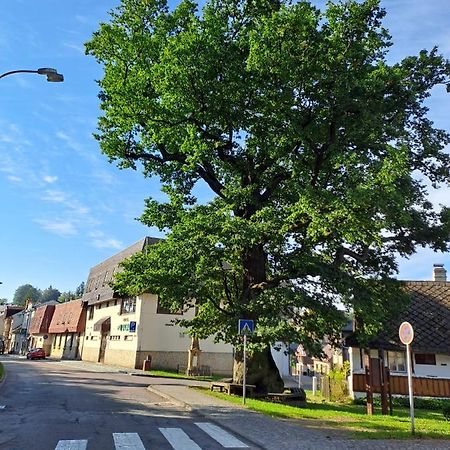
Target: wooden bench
[[231, 388]]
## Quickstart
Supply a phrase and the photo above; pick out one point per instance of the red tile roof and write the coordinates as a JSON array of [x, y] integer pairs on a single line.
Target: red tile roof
[[68, 317], [41, 319]]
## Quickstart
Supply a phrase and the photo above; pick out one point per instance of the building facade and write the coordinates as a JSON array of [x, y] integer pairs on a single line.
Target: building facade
[[66, 330], [126, 331]]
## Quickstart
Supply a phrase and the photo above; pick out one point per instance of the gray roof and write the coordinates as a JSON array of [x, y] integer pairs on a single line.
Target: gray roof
[[429, 315], [97, 288]]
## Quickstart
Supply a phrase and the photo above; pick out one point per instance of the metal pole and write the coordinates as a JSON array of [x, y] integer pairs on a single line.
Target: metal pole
[[244, 380], [410, 387]]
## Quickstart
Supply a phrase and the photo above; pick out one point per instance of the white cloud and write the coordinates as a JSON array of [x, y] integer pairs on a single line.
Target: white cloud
[[49, 179], [58, 227], [78, 48], [55, 197], [107, 243], [14, 179]]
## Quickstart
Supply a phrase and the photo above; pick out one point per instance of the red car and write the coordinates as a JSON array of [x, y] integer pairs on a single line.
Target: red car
[[36, 353]]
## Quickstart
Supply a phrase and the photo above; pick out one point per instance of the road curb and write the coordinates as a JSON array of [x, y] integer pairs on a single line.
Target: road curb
[[169, 397]]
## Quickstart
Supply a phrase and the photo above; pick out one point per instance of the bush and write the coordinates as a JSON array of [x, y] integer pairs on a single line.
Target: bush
[[338, 386], [446, 411], [431, 404]]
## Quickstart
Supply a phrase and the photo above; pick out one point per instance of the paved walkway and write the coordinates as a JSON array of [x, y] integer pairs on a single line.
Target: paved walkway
[[271, 433]]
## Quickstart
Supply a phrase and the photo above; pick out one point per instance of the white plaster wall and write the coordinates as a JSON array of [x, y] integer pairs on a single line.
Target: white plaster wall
[[158, 332], [441, 369], [281, 358]]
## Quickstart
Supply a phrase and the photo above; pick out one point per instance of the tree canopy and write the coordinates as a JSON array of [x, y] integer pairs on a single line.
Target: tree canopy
[[314, 149], [24, 293]]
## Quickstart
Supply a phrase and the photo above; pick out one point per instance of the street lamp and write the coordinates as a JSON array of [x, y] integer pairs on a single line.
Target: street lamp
[[52, 74]]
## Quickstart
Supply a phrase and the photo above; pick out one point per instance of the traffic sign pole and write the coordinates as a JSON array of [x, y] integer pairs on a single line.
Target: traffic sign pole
[[406, 334], [244, 380], [410, 386]]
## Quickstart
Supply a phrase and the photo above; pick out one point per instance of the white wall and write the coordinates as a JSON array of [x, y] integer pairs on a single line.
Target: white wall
[[158, 332], [441, 369], [281, 358]]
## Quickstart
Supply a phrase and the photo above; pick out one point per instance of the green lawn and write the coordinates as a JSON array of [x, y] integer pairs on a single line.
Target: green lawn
[[2, 371], [168, 374], [317, 412]]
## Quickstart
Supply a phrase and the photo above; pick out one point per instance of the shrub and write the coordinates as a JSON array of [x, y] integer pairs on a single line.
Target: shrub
[[446, 411]]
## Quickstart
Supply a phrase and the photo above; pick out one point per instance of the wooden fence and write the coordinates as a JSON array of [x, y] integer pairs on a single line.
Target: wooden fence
[[422, 387]]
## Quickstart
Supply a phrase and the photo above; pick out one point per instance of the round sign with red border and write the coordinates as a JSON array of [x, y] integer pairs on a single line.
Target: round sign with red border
[[406, 333]]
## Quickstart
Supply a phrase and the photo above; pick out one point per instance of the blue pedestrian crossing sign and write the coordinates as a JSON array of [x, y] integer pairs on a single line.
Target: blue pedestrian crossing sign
[[246, 326]]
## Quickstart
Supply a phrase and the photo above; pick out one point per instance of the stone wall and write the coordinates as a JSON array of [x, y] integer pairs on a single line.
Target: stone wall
[[219, 363]]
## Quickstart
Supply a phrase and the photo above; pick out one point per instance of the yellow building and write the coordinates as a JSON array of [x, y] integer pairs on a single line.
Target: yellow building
[[127, 331]]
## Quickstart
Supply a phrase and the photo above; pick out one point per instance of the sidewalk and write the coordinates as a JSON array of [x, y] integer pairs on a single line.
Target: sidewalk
[[271, 433]]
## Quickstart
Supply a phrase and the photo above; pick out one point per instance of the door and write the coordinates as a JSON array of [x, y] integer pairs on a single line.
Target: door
[[101, 355]]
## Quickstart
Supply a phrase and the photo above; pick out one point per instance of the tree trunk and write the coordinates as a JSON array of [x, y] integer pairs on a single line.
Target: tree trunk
[[261, 371]]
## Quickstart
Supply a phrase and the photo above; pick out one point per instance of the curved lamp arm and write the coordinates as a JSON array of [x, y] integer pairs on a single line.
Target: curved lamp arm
[[52, 74]]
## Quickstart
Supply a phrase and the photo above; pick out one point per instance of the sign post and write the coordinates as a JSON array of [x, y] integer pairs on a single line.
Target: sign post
[[406, 334], [245, 327]]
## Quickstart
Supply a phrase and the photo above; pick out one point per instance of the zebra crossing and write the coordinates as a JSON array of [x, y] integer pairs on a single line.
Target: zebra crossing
[[177, 438]]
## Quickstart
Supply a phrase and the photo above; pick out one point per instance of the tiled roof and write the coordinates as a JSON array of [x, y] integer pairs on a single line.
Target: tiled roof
[[429, 315], [41, 319], [97, 286], [68, 317]]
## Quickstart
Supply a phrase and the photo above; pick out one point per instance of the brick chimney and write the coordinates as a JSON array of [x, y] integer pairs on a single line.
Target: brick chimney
[[439, 273]]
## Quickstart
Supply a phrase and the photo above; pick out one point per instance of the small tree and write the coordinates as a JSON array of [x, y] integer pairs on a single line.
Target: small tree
[[313, 148], [50, 294]]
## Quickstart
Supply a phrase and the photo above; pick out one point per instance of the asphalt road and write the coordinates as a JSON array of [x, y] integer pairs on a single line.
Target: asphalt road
[[46, 405]]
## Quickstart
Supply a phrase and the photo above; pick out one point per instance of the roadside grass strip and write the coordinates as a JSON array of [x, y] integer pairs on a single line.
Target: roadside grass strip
[[350, 417]]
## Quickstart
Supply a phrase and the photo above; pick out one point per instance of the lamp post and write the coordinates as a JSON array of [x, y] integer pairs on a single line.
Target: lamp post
[[52, 74]]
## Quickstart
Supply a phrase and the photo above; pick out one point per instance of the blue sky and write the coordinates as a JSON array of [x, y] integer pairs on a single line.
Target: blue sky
[[64, 207]]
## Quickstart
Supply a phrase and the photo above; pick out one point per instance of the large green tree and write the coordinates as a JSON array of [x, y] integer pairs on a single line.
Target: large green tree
[[26, 292], [314, 149]]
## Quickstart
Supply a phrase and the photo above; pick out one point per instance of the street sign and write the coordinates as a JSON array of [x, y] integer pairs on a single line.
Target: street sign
[[246, 326], [132, 327], [406, 333]]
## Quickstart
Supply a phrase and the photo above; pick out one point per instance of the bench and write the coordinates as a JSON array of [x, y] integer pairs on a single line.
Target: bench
[[231, 388]]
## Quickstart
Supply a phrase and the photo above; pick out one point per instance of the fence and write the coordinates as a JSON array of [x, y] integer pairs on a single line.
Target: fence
[[422, 387]]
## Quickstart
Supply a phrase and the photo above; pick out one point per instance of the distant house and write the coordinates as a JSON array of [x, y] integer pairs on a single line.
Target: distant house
[[125, 331], [66, 330], [6, 318], [39, 327], [429, 314]]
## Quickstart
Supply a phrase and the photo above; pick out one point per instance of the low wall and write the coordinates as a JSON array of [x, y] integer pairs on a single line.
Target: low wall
[[219, 363]]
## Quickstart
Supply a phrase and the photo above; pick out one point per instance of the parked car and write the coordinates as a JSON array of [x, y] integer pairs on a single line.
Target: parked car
[[36, 353]]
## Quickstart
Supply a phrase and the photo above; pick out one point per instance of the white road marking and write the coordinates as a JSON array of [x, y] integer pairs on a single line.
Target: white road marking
[[2, 406], [224, 438], [178, 439], [128, 441], [72, 445]]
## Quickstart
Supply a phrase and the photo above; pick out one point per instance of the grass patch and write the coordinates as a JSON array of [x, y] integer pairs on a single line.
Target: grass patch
[[2, 372], [170, 374], [318, 412]]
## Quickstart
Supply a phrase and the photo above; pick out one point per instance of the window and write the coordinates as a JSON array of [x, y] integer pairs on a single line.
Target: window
[[397, 361], [160, 309], [91, 313], [425, 358], [128, 305]]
